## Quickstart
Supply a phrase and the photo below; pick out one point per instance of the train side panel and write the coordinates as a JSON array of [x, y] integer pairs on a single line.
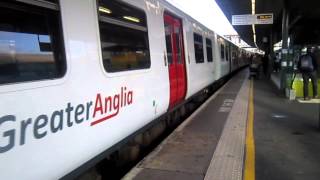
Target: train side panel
[[201, 74], [51, 127], [108, 106]]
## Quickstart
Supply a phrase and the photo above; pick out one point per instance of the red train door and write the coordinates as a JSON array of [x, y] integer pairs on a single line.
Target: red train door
[[176, 59]]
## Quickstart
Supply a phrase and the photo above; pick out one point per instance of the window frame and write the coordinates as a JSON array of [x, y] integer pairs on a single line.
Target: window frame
[[227, 52], [46, 82], [42, 3], [123, 24], [222, 48], [211, 48]]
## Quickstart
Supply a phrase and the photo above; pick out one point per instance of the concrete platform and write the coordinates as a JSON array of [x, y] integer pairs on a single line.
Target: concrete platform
[[214, 143], [188, 151], [286, 136]]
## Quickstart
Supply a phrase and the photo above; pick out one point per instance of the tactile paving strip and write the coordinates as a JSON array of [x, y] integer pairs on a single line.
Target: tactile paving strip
[[228, 159]]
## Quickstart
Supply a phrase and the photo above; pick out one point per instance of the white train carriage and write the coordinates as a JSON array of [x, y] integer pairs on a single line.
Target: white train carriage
[[77, 77]]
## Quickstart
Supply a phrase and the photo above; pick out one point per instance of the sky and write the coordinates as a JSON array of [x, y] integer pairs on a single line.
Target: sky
[[206, 12], [20, 42]]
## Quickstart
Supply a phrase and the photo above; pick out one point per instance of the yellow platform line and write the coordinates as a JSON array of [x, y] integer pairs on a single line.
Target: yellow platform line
[[249, 170]]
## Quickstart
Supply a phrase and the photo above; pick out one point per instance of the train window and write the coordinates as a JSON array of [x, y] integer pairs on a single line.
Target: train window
[[222, 51], [168, 43], [178, 44], [234, 55], [124, 37], [227, 53], [198, 48], [31, 43], [209, 50]]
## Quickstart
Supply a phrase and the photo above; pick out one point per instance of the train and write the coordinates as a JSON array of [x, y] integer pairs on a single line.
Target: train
[[78, 78]]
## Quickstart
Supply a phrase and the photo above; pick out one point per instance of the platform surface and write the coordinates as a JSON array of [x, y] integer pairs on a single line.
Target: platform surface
[[187, 152], [213, 142], [286, 136]]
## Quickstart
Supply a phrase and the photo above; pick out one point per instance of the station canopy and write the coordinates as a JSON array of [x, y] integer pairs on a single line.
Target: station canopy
[[304, 19]]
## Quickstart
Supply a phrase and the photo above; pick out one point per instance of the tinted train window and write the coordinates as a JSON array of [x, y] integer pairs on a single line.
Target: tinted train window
[[227, 53], [209, 50], [168, 42], [198, 48], [222, 51], [124, 37], [178, 44], [31, 44]]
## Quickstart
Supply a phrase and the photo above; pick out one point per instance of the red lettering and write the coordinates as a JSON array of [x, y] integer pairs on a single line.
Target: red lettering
[[108, 103], [112, 105], [125, 97], [98, 105], [121, 96], [130, 97], [116, 103]]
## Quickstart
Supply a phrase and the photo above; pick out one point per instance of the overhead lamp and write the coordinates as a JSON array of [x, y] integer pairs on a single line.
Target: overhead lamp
[[253, 11], [133, 19], [105, 10]]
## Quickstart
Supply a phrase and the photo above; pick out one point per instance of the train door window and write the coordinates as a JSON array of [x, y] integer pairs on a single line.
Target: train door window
[[234, 56], [198, 48], [124, 37], [178, 43], [222, 51], [227, 53], [209, 50], [31, 43], [168, 42]]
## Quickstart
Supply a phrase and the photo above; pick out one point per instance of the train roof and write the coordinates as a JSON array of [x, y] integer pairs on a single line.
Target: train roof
[[171, 8]]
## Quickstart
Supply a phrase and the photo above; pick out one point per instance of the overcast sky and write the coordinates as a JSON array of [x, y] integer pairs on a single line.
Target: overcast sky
[[208, 13]]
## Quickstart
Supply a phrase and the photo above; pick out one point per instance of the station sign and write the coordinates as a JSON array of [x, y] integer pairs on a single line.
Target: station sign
[[245, 19], [250, 19], [264, 18]]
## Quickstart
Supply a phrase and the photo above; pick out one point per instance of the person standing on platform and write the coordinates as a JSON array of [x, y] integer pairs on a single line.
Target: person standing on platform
[[277, 62], [265, 62], [270, 64], [308, 66]]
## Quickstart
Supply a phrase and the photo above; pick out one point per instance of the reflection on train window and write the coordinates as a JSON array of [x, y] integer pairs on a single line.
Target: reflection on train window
[[209, 50], [31, 45], [53, 1], [168, 42], [222, 51], [178, 43], [124, 37], [198, 48], [234, 55], [227, 53]]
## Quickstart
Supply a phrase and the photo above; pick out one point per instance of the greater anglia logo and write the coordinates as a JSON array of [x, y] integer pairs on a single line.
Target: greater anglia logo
[[105, 107], [110, 106]]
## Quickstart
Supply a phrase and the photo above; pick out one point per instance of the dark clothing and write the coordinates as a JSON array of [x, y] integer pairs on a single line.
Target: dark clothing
[[276, 66], [314, 62], [251, 59], [306, 75], [313, 77], [265, 61]]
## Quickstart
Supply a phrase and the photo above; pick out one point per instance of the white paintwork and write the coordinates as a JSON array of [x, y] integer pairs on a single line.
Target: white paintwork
[[57, 154]]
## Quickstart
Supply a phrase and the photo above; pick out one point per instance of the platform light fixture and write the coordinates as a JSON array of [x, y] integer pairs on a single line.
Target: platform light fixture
[[133, 19], [253, 12], [105, 10], [253, 6]]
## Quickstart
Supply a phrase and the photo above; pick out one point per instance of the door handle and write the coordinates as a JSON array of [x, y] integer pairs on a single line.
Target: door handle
[[165, 58], [188, 58]]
